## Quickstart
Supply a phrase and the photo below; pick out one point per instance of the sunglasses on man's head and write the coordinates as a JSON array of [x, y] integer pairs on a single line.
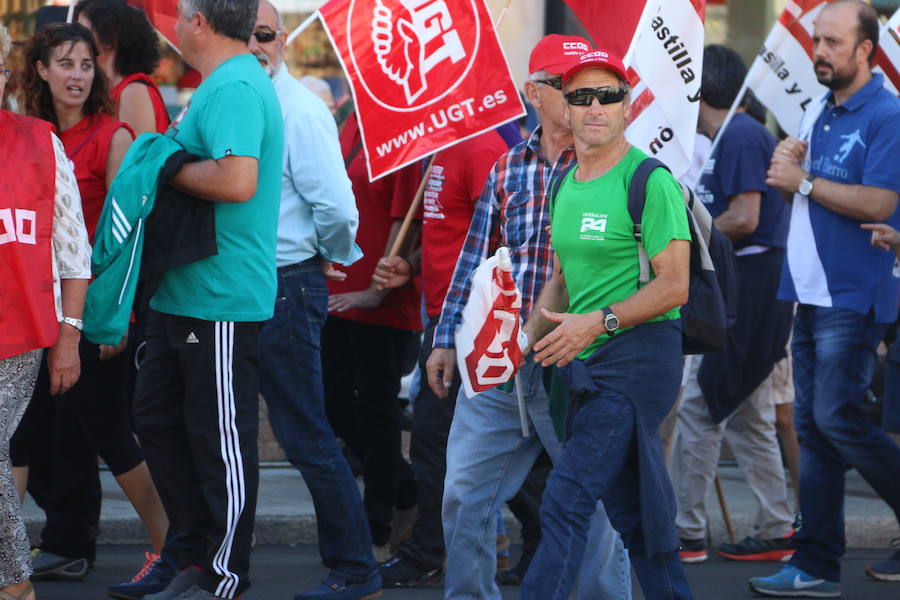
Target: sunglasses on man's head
[[264, 36], [605, 95]]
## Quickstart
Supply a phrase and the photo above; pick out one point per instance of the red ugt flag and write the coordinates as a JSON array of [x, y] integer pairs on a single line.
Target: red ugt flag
[[162, 14], [487, 341], [425, 74]]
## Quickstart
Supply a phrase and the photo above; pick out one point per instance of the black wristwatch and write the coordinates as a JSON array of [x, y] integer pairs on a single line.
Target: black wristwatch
[[610, 321]]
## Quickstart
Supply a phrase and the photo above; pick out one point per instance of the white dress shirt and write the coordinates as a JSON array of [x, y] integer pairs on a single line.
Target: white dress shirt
[[318, 211]]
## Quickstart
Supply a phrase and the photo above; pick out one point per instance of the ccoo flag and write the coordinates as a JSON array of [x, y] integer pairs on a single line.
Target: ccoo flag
[[425, 74], [662, 45], [488, 346]]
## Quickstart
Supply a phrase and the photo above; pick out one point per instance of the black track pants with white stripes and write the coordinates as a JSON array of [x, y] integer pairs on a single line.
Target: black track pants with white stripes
[[196, 414]]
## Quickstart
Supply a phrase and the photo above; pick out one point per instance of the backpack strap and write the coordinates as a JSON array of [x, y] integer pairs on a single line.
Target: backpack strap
[[556, 183], [637, 197]]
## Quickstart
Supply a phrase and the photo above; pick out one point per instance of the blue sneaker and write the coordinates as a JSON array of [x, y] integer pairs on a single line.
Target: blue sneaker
[[152, 578], [338, 589], [791, 582]]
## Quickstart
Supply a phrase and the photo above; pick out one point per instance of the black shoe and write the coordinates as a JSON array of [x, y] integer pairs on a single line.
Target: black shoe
[[753, 549], [52, 567], [515, 575], [400, 572], [692, 551]]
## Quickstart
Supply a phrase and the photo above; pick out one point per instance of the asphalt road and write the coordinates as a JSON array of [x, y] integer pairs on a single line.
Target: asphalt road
[[281, 571]]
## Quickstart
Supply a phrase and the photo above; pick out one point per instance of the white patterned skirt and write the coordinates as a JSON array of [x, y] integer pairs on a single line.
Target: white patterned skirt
[[17, 378]]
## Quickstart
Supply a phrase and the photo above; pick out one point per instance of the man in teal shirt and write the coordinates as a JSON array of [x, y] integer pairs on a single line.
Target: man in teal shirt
[[618, 345], [197, 394]]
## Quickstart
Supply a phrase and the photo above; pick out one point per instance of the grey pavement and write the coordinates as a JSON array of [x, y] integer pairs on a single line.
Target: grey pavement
[[278, 572], [285, 512]]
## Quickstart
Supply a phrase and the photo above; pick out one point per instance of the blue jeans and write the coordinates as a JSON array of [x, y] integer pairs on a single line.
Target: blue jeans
[[291, 383], [890, 413], [618, 398], [834, 359], [487, 462]]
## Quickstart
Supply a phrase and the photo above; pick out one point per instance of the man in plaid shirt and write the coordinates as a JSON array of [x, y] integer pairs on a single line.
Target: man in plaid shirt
[[487, 458]]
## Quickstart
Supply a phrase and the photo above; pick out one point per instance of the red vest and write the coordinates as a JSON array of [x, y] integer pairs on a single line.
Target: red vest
[[159, 105], [27, 191]]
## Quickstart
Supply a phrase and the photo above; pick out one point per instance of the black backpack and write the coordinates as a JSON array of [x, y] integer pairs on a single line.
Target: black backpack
[[711, 308]]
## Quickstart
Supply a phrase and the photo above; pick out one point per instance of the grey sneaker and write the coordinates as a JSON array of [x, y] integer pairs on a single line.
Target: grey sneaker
[[886, 570], [180, 584], [52, 567]]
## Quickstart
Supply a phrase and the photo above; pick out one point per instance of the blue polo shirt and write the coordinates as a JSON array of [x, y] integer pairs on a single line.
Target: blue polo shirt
[[739, 165], [831, 261]]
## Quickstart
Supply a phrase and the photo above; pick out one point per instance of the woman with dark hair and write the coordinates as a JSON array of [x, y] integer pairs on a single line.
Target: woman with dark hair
[[45, 266], [129, 53], [60, 440], [60, 84]]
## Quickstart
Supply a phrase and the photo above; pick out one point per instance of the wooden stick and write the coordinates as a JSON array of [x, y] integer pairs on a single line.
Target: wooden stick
[[411, 213], [725, 516]]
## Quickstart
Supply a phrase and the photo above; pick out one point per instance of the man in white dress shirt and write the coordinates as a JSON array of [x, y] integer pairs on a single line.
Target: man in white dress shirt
[[317, 227]]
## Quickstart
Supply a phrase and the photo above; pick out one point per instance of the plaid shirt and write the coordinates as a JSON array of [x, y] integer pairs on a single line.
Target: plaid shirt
[[513, 211]]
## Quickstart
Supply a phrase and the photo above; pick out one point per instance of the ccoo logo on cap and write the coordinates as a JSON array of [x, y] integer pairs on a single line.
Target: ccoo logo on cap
[[597, 59], [556, 53]]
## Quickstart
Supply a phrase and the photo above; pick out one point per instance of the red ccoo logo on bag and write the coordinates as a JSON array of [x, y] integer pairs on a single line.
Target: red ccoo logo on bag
[[496, 354], [487, 341]]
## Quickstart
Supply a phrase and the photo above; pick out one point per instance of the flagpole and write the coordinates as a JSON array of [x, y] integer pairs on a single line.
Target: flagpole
[[502, 14], [303, 26], [413, 209], [728, 117], [71, 14]]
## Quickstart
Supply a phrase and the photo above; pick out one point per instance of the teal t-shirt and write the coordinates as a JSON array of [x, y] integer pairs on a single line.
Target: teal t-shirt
[[234, 112], [593, 235]]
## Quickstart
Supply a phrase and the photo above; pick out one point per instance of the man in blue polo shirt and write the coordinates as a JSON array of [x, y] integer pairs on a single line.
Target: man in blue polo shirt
[[846, 292]]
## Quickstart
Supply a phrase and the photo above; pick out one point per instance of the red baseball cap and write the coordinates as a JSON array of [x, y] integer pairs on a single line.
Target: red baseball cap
[[555, 53], [597, 59]]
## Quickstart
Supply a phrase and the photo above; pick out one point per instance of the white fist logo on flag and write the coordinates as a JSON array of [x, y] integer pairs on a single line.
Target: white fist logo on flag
[[428, 38]]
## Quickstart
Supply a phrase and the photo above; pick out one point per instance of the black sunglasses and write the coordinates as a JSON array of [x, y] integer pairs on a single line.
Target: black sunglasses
[[604, 95], [555, 83], [264, 36]]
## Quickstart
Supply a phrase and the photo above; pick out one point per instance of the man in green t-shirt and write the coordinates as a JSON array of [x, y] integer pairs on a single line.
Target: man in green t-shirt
[[618, 345], [196, 404]]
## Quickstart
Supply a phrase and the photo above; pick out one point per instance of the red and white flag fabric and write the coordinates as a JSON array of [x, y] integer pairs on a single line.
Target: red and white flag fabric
[[162, 14], [661, 43], [782, 74], [425, 74], [889, 43], [488, 345]]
